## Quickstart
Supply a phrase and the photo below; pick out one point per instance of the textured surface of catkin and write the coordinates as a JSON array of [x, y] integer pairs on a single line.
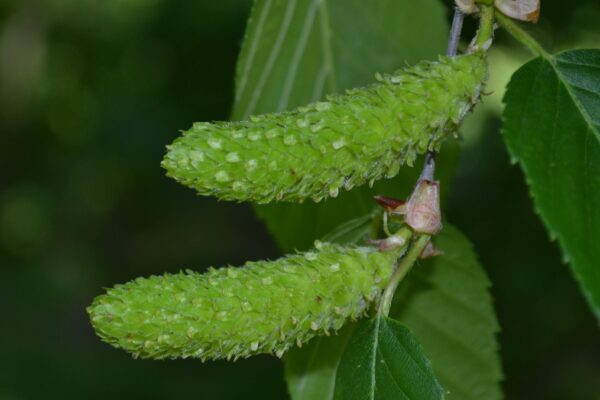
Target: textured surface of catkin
[[262, 307], [345, 141]]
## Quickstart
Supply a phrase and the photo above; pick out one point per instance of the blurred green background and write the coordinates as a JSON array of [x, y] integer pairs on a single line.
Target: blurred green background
[[90, 93]]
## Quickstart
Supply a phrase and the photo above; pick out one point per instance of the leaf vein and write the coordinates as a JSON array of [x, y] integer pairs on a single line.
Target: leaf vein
[[252, 52], [326, 39], [320, 83], [298, 53], [391, 373], [574, 98], [283, 30]]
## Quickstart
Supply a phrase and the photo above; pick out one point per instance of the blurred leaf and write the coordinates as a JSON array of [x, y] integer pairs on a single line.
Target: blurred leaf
[[295, 52], [384, 361], [552, 128], [447, 304], [310, 371], [354, 230], [25, 220]]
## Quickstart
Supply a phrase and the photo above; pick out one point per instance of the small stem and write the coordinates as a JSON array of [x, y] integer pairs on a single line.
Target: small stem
[[428, 171], [404, 266], [521, 35], [486, 26], [386, 230], [455, 31]]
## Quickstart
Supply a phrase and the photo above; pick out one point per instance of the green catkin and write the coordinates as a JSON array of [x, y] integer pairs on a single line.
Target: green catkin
[[345, 141], [262, 307]]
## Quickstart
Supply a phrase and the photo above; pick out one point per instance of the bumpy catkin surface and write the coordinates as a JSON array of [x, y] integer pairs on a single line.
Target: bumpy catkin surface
[[345, 141], [262, 307]]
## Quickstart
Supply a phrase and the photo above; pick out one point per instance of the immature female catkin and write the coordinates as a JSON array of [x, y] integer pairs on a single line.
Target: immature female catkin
[[262, 307], [345, 141]]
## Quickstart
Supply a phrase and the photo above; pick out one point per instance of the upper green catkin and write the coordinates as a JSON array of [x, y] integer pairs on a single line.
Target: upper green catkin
[[345, 141], [262, 307]]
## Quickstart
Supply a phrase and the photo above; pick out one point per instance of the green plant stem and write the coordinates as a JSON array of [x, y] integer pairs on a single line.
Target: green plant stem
[[404, 266], [522, 36], [486, 26]]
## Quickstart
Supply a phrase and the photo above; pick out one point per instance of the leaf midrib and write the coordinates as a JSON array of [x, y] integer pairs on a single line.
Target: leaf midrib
[[554, 64], [326, 37]]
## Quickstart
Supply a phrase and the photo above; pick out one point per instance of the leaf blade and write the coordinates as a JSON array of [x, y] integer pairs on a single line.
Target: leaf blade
[[383, 361], [552, 129], [447, 304], [333, 44], [311, 371]]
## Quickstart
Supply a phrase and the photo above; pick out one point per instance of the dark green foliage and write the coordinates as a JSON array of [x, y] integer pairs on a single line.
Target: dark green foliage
[[384, 361], [552, 128]]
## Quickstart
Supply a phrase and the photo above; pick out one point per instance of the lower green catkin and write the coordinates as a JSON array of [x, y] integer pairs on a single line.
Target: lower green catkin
[[262, 307], [345, 141]]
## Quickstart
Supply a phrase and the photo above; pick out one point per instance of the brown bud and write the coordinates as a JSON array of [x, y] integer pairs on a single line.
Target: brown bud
[[423, 208]]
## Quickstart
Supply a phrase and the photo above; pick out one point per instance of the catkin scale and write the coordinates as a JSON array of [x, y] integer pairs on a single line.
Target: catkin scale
[[345, 141], [262, 307]]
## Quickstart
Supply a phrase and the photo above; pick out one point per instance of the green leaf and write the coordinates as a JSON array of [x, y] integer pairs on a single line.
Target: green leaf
[[552, 128], [310, 371], [446, 303], [295, 52], [384, 361]]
